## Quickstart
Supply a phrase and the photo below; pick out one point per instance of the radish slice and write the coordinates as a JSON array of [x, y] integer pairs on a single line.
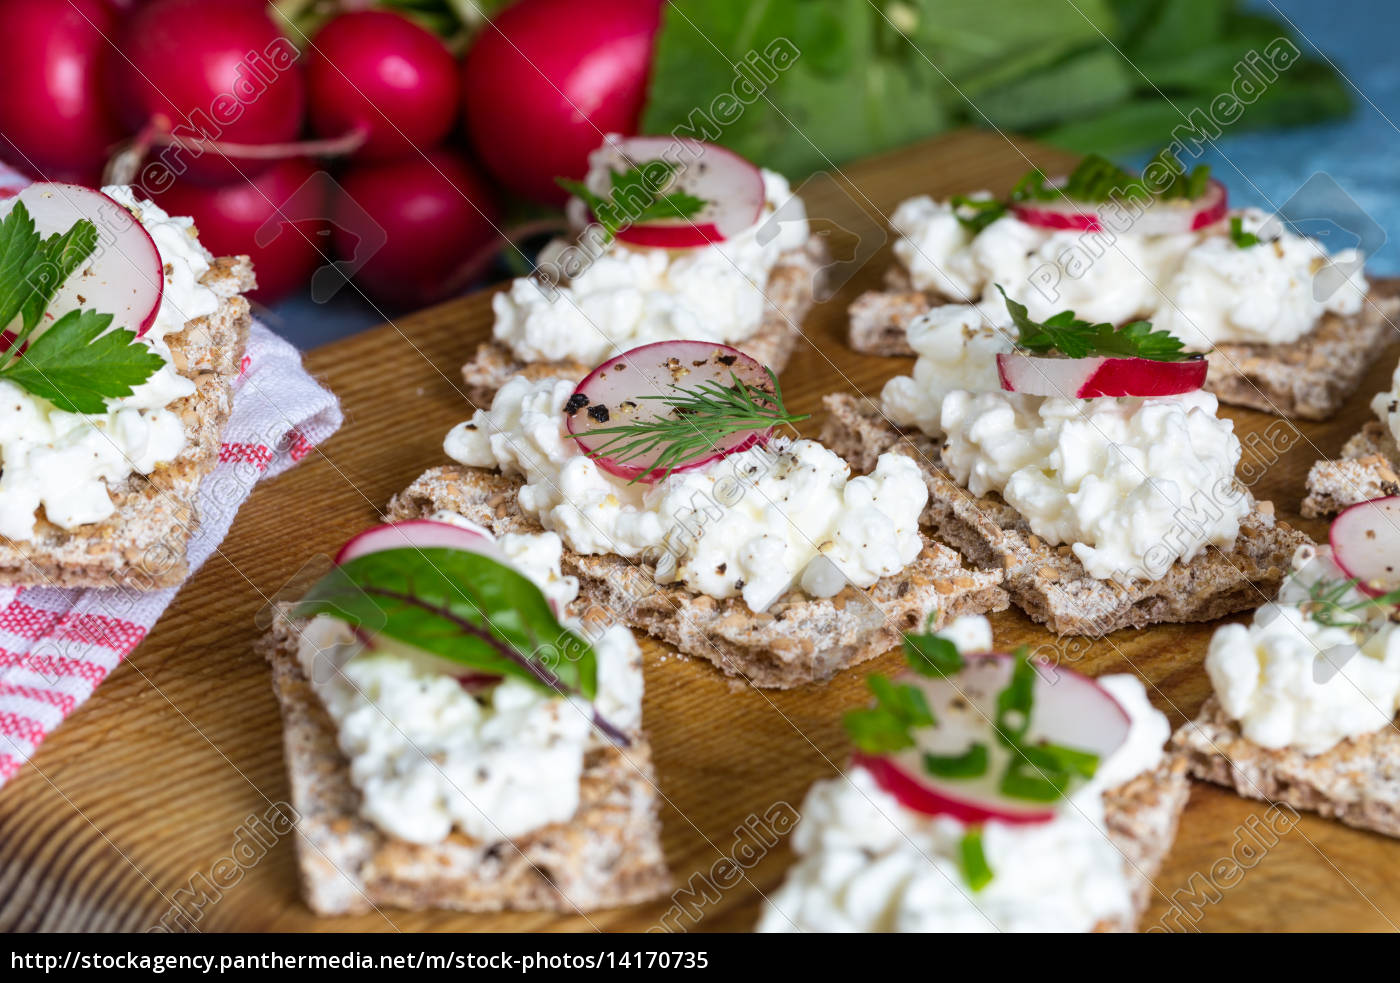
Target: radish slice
[[1162, 218], [731, 187], [1072, 710], [1088, 378], [612, 394], [1366, 544], [124, 277], [419, 534]]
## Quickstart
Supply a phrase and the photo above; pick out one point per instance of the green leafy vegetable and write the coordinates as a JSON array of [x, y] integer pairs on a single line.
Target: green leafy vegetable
[[1070, 336], [638, 195], [972, 763], [885, 727], [77, 363], [975, 214], [1239, 236], [698, 419], [460, 606], [1326, 604], [972, 860], [931, 655]]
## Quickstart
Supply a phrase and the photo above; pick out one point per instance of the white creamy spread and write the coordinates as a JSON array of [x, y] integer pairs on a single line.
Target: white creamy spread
[[1131, 484], [1293, 682], [1386, 405], [753, 524], [627, 296], [868, 864], [1199, 285], [429, 755], [66, 462]]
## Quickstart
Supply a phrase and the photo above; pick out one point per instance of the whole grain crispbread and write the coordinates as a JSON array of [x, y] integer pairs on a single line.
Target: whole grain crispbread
[[607, 855], [1357, 781], [143, 543], [1048, 582], [1308, 379], [1368, 468], [798, 640], [1142, 816], [790, 292]]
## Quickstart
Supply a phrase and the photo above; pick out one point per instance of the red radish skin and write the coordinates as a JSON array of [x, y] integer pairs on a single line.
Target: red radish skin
[[1159, 219], [407, 227], [1068, 709], [1091, 378], [610, 393], [555, 76], [730, 185], [418, 534], [217, 71], [379, 72], [1365, 540], [229, 219], [124, 277], [56, 119]]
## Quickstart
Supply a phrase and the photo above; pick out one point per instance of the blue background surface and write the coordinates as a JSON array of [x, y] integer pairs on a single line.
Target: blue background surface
[[1360, 154]]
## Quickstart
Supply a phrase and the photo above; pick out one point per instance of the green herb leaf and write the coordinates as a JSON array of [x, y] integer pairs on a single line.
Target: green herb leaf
[[1058, 758], [930, 655], [1074, 338], [1239, 236], [78, 364], [698, 419], [885, 727], [973, 860], [20, 255], [460, 606], [1033, 785], [972, 763], [638, 195], [975, 214], [1326, 604], [60, 255], [1014, 703]]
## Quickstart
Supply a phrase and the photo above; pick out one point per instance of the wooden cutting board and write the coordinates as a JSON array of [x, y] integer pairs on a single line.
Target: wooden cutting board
[[168, 768]]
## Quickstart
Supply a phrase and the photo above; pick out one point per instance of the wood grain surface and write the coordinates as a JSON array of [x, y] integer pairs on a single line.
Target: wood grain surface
[[169, 768]]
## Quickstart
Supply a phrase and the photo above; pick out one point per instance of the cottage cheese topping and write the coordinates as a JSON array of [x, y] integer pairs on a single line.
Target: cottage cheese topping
[[753, 524], [1291, 681], [66, 462], [1386, 405], [957, 346], [429, 756], [628, 296], [1200, 286], [1132, 485], [868, 864]]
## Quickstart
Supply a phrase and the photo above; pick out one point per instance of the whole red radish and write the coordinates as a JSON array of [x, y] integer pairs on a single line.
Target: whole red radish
[[279, 218], [406, 228], [55, 119], [209, 72], [380, 72], [546, 79]]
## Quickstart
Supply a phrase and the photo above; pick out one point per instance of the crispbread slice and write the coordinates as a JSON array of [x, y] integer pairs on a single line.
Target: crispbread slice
[[1049, 583], [1142, 816], [1368, 468], [607, 855], [790, 292], [1308, 379], [798, 640], [1357, 781], [143, 543]]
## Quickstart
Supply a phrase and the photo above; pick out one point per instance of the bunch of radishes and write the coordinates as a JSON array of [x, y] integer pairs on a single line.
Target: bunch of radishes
[[344, 145]]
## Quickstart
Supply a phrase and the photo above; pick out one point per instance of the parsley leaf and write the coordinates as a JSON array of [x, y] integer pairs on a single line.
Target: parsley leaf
[[972, 763], [636, 197], [1074, 338], [975, 214], [1239, 236], [972, 860], [77, 363], [20, 252], [886, 726], [931, 655]]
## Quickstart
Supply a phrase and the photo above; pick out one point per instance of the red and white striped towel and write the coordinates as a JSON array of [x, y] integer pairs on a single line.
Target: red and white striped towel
[[57, 645]]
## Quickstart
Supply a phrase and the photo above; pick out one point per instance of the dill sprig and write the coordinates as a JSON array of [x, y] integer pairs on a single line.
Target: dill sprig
[[698, 420], [1326, 607]]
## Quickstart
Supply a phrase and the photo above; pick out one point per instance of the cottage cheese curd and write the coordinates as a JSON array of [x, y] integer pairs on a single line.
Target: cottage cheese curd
[[753, 524], [66, 462], [868, 864], [428, 756], [1199, 285], [1291, 681], [1386, 405], [627, 296], [1132, 485]]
